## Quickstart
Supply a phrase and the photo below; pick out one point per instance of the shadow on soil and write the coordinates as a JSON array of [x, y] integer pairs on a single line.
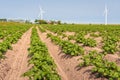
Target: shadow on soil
[[64, 56], [118, 61], [86, 71]]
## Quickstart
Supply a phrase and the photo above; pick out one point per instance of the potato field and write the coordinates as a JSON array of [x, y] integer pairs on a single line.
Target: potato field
[[59, 52]]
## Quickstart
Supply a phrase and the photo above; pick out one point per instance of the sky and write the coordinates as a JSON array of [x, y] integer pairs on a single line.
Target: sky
[[74, 11]]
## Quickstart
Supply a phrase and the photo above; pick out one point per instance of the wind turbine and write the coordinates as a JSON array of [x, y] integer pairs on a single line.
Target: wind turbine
[[106, 14], [41, 13]]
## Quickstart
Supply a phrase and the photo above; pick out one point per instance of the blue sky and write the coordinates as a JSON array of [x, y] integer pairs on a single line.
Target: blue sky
[[80, 11]]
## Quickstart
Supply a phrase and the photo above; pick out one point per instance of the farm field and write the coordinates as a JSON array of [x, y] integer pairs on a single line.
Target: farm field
[[95, 47], [59, 52]]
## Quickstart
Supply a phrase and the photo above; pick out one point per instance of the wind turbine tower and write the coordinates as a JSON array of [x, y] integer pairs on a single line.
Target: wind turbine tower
[[41, 13], [106, 14]]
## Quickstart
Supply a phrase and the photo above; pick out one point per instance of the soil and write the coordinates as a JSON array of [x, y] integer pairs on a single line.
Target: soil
[[112, 57], [16, 61], [88, 49], [69, 33], [1, 40]]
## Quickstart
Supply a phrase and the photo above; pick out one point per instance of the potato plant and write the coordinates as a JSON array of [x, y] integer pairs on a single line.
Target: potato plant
[[101, 67]]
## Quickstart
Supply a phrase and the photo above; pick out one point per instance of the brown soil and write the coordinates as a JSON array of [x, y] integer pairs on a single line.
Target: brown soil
[[1, 40], [87, 36], [98, 39], [67, 66], [112, 57], [69, 33], [15, 63], [88, 49]]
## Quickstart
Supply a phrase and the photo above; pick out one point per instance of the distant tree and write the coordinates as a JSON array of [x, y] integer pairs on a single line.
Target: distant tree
[[3, 20], [55, 22], [58, 22], [52, 22], [36, 21], [40, 21]]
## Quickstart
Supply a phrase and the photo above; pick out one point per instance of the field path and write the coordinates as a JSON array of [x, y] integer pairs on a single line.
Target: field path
[[15, 63], [66, 65]]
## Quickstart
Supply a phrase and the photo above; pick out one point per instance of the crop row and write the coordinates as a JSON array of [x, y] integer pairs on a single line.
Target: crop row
[[11, 39], [101, 66], [43, 65], [66, 46]]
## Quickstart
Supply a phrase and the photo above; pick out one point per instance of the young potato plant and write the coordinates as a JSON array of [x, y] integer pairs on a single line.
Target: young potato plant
[[72, 49], [44, 67], [56, 40], [101, 67], [80, 37], [89, 42], [71, 37], [67, 47], [110, 44], [86, 42]]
